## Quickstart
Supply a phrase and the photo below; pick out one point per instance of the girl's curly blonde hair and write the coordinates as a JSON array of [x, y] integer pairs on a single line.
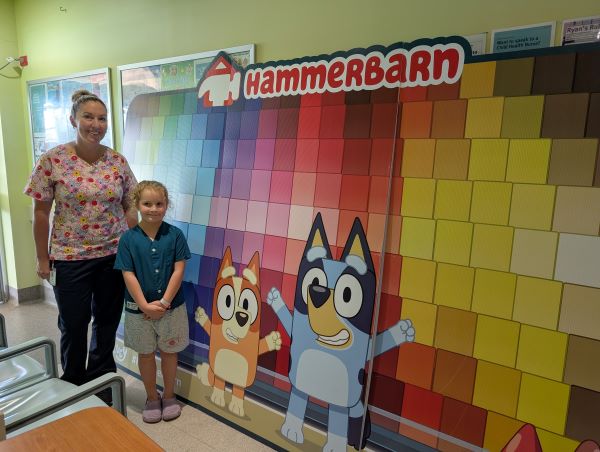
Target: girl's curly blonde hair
[[136, 193]]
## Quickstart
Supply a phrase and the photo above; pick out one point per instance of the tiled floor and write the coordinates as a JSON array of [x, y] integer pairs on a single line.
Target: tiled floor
[[192, 431]]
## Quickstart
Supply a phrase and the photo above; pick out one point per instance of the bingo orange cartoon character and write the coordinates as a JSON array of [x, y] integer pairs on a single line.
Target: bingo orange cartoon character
[[234, 333]]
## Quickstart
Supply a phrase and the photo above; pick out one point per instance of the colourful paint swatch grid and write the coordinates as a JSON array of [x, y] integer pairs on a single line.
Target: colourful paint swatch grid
[[492, 231], [254, 176]]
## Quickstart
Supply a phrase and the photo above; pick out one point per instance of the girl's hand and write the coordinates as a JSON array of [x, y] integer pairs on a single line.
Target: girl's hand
[[153, 311]]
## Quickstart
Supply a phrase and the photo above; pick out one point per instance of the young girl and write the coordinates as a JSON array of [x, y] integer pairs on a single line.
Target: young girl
[[152, 258]]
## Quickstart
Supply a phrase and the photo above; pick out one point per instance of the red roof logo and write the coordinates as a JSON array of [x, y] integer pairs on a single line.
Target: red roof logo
[[221, 84]]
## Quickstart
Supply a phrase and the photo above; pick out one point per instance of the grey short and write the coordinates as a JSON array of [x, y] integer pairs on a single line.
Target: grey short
[[169, 334]]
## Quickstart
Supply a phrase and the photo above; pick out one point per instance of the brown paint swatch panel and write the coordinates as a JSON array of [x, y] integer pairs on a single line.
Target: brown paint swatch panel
[[513, 77], [565, 115], [384, 96], [358, 121], [443, 91], [580, 311], [572, 162], [582, 417], [462, 421], [553, 74], [358, 97], [577, 210], [449, 118], [290, 101], [593, 120], [455, 375], [582, 367], [587, 72], [451, 159], [455, 330], [287, 123]]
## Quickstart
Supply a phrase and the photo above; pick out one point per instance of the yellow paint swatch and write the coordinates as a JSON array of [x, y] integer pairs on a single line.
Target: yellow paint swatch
[[417, 237], [454, 286], [453, 242], [542, 352], [528, 161], [484, 117], [522, 117], [488, 159], [417, 279], [423, 315], [493, 293], [417, 197], [491, 202], [453, 200], [492, 247], [537, 302], [477, 80], [532, 206], [496, 340], [497, 388], [543, 403]]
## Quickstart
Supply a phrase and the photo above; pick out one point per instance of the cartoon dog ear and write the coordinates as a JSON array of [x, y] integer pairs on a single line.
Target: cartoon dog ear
[[357, 245], [226, 262], [254, 267], [317, 237]]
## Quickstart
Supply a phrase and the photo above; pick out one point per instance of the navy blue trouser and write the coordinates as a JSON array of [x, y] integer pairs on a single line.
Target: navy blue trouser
[[86, 289]]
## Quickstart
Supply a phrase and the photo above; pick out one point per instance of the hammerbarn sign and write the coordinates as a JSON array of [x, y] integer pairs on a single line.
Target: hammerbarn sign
[[422, 63]]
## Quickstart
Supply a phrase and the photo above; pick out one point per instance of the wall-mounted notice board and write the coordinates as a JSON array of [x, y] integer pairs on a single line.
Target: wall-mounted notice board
[[50, 106]]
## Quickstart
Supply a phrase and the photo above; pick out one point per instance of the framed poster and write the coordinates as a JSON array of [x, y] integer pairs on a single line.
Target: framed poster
[[49, 103], [477, 42], [527, 37], [171, 74], [580, 31]]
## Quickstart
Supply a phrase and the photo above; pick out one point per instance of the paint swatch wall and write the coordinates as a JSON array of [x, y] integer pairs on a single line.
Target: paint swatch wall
[[489, 240]]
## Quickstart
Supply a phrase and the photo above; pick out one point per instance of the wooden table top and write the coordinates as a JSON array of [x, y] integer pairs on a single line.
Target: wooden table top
[[92, 429]]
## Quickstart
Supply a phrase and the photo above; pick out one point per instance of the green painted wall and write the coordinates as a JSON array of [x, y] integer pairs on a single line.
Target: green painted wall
[[94, 34], [15, 209]]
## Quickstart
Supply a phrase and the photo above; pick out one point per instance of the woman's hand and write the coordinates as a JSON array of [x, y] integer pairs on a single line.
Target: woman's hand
[[43, 268]]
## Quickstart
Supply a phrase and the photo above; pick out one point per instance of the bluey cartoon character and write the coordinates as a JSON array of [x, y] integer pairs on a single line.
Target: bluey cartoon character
[[330, 335], [234, 333]]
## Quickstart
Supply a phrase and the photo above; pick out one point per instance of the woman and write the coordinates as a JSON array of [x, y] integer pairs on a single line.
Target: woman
[[89, 185]]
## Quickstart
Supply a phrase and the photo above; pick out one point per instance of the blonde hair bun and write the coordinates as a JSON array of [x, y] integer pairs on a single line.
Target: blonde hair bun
[[81, 93], [80, 97]]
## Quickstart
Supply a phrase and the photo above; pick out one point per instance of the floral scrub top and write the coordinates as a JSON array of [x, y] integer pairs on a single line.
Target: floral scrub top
[[88, 198]]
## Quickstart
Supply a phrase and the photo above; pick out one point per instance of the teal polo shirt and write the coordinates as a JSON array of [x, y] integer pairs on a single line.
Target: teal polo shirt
[[152, 261]]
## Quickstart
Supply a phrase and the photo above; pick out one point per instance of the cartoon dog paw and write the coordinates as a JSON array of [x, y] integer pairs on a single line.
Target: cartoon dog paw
[[403, 331], [218, 397], [335, 443], [202, 372], [274, 299], [274, 340], [201, 316], [292, 429], [236, 406]]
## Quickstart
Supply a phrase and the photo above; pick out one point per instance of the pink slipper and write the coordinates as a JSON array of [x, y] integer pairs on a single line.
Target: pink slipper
[[170, 409], [152, 412]]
